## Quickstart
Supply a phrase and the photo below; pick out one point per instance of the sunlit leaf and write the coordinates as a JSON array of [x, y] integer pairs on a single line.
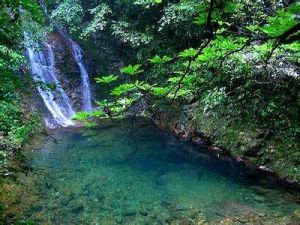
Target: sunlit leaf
[[122, 89], [131, 69], [106, 79]]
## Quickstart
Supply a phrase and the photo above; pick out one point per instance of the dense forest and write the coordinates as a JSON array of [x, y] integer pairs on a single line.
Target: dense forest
[[220, 72]]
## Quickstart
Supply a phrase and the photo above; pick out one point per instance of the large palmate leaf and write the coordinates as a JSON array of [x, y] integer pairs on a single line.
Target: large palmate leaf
[[188, 53], [131, 69], [122, 89], [160, 60], [159, 91], [106, 79]]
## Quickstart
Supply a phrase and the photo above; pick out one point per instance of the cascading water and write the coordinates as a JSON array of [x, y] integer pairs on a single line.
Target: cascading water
[[86, 92], [43, 70]]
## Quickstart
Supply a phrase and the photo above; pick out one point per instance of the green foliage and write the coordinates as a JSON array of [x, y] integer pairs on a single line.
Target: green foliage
[[132, 69], [176, 15], [17, 123], [142, 86], [99, 22], [106, 79], [264, 49], [122, 89], [214, 98], [10, 59], [282, 21], [292, 51], [188, 53], [82, 116], [159, 91], [68, 13], [160, 60], [125, 32]]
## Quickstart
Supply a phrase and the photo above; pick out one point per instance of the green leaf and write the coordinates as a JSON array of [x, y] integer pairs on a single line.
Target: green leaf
[[159, 91], [131, 69], [206, 55], [106, 79], [188, 53], [174, 79], [81, 116], [122, 89], [104, 102], [280, 23], [231, 7], [160, 60], [253, 28], [142, 85], [201, 19]]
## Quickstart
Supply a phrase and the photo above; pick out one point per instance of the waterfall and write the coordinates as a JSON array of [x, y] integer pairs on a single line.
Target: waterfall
[[86, 92], [43, 70]]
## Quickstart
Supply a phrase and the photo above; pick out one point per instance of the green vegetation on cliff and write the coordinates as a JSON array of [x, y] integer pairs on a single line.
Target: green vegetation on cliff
[[17, 122]]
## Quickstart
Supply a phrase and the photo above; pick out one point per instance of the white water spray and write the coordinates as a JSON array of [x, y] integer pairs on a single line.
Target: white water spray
[[86, 91], [43, 71]]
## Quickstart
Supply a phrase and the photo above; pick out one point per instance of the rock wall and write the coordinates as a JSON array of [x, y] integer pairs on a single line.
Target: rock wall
[[66, 68]]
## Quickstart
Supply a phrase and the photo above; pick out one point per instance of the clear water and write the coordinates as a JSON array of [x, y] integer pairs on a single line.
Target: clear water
[[102, 176]]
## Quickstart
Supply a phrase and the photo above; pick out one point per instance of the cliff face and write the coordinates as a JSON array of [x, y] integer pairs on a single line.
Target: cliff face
[[66, 68]]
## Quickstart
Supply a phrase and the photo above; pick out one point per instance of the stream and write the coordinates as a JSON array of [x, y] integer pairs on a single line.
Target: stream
[[115, 175]]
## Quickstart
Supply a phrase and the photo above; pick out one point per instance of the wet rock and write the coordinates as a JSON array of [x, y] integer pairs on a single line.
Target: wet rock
[[201, 221], [294, 223], [37, 207], [143, 212], [261, 215], [100, 197], [180, 208], [297, 213], [198, 141], [129, 212], [67, 198], [186, 222], [243, 219], [259, 198], [52, 206], [27, 213], [76, 207]]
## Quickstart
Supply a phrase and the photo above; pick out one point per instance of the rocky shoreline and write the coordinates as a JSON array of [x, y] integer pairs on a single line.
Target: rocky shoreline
[[183, 126]]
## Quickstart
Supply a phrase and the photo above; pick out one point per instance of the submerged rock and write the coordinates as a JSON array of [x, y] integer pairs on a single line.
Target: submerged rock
[[297, 213], [76, 207], [129, 212], [259, 198], [143, 212]]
